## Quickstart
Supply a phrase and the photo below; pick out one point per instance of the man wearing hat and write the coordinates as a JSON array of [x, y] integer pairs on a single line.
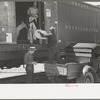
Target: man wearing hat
[[52, 43], [29, 61]]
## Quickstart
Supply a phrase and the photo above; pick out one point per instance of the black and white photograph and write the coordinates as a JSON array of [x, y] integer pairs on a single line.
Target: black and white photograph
[[50, 42]]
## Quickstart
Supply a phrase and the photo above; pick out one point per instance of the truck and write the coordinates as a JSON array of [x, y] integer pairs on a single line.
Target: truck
[[80, 64], [77, 26]]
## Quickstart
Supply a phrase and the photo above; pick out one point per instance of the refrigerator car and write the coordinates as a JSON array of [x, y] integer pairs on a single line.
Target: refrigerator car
[[75, 22]]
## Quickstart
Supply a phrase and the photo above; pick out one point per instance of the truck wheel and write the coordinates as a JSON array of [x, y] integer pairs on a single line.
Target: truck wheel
[[89, 78]]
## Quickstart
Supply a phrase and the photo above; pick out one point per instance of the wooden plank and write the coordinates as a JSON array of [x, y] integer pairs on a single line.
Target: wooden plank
[[79, 54], [85, 45], [79, 50]]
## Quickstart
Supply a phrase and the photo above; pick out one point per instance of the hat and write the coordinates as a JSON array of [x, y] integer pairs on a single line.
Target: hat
[[52, 28], [32, 48]]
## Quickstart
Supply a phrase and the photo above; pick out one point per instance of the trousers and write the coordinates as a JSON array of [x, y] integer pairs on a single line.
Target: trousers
[[53, 54], [29, 74]]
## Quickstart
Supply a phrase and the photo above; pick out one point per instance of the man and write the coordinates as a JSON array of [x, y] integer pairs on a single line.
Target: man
[[33, 15], [53, 48], [29, 61]]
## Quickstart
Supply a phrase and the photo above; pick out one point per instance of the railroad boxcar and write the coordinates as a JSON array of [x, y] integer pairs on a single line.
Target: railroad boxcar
[[75, 22]]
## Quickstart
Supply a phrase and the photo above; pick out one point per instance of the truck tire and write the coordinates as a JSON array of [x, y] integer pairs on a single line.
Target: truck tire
[[89, 78]]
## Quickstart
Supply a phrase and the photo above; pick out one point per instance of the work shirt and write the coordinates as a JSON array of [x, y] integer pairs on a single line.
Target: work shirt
[[32, 11], [52, 40], [28, 59]]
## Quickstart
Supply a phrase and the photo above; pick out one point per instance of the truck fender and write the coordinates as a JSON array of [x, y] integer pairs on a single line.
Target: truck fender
[[87, 70]]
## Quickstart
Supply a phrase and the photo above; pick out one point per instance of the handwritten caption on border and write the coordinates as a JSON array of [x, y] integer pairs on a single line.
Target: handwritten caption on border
[[71, 85]]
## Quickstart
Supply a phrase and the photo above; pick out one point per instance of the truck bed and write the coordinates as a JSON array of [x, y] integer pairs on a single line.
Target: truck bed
[[70, 70]]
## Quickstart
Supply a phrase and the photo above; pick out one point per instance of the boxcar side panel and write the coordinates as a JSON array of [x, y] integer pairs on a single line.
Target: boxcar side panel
[[80, 26]]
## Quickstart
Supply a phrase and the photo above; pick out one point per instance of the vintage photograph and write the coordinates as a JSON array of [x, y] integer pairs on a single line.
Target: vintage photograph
[[49, 42]]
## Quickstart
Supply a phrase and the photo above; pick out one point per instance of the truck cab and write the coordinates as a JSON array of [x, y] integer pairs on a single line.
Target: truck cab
[[86, 58]]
